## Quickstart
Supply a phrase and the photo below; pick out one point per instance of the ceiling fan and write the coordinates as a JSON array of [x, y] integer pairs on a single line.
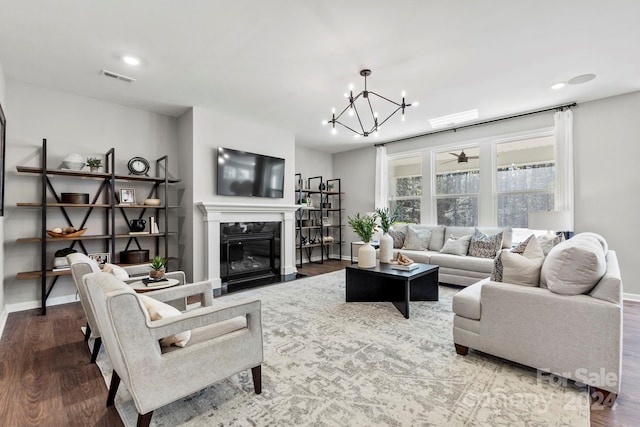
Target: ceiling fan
[[461, 158]]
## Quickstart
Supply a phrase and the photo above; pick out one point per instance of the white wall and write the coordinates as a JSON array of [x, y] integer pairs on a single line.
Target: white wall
[[3, 311], [311, 162], [70, 123], [607, 152], [185, 160], [212, 130]]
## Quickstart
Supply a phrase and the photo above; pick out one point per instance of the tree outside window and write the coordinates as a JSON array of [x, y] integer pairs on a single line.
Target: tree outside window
[[405, 188]]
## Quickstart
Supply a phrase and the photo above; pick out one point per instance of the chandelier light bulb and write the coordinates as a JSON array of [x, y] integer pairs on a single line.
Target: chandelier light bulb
[[415, 104], [324, 122], [356, 136], [333, 131], [404, 94], [333, 110], [351, 111], [403, 117], [350, 86]]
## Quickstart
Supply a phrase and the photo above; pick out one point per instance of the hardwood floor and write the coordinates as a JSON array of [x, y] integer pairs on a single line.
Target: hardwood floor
[[46, 378]]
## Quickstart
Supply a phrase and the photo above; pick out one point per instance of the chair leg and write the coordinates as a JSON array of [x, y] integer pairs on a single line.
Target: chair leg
[[462, 350], [96, 349], [144, 419], [113, 388], [257, 379], [87, 333]]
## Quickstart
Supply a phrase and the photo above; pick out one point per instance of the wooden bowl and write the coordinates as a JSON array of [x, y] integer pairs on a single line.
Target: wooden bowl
[[152, 202], [74, 234]]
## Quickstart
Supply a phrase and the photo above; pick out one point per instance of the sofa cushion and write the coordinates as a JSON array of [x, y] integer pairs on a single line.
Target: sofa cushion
[[398, 238], [481, 265], [507, 233], [575, 266], [417, 239], [520, 266], [456, 245], [466, 303], [485, 246]]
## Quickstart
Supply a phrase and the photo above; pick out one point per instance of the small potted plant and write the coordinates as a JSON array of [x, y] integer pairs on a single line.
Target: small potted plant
[[94, 163], [363, 226], [157, 268], [387, 218]]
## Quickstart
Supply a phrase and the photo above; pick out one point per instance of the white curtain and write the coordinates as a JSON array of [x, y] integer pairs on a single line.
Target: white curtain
[[382, 178], [564, 162]]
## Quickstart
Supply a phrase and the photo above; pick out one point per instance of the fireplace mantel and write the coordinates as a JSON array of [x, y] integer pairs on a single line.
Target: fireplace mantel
[[216, 213]]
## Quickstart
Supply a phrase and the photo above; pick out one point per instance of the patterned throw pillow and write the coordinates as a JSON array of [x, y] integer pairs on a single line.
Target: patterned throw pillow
[[548, 241], [484, 246], [398, 238], [521, 265], [417, 240], [456, 245]]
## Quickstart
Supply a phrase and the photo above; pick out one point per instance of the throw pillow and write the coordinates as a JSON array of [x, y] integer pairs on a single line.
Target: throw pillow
[[398, 238], [548, 241], [521, 265], [158, 310], [417, 240], [116, 270], [484, 246], [574, 266], [456, 245]]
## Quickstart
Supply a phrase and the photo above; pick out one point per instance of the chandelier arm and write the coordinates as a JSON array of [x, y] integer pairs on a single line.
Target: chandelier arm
[[359, 121], [390, 115], [348, 105], [352, 130], [387, 99]]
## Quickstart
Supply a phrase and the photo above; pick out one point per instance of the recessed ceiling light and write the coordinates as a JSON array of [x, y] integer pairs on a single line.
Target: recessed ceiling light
[[452, 119], [557, 86], [131, 60], [583, 78]]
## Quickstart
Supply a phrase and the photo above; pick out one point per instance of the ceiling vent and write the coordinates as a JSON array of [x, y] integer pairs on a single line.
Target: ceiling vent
[[117, 76]]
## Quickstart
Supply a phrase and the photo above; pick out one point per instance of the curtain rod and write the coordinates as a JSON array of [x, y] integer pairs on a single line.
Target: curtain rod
[[499, 119]]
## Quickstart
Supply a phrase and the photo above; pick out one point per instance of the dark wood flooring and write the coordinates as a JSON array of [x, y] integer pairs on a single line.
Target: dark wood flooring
[[46, 378]]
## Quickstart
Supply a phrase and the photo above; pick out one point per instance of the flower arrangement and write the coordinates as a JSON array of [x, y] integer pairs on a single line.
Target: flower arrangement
[[387, 218]]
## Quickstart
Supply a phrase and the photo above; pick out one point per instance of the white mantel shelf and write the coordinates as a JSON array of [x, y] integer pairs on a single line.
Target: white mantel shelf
[[216, 213]]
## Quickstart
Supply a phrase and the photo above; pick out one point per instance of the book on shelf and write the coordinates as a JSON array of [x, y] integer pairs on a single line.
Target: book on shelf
[[61, 268], [405, 267], [137, 233]]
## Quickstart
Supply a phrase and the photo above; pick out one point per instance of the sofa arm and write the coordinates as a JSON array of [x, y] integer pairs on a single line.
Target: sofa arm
[[577, 337]]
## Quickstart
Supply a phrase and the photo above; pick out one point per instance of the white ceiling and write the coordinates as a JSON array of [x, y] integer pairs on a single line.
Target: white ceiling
[[286, 63]]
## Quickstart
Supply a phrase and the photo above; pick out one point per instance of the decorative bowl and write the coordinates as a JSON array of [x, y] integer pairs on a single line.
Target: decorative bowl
[[152, 202], [74, 234], [76, 166]]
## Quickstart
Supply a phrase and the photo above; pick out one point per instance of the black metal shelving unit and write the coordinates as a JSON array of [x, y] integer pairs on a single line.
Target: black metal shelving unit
[[110, 203], [311, 229]]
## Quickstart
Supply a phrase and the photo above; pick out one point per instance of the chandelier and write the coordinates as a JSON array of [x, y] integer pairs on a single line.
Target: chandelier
[[351, 110]]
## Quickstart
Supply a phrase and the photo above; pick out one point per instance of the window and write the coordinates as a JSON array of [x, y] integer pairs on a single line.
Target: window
[[457, 187], [405, 187], [525, 179]]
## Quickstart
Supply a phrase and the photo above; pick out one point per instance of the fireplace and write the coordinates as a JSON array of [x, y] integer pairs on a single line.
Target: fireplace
[[249, 253], [217, 213]]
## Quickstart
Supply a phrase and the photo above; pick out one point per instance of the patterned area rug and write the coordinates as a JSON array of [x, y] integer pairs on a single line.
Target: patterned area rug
[[331, 363]]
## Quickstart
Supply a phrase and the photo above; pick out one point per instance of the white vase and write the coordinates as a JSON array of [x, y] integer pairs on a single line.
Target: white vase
[[366, 256], [386, 248]]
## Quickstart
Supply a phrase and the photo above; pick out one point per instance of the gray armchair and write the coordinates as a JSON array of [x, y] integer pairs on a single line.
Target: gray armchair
[[225, 339], [80, 265]]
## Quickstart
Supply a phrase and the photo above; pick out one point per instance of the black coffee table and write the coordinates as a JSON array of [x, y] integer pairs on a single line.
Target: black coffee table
[[384, 283]]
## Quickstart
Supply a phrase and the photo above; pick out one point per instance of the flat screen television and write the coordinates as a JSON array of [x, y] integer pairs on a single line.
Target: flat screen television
[[248, 174]]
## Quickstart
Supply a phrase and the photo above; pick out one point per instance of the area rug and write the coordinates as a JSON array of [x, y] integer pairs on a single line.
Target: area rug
[[332, 363]]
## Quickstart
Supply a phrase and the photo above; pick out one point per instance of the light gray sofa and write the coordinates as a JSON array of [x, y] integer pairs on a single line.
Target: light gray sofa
[[455, 269], [575, 336]]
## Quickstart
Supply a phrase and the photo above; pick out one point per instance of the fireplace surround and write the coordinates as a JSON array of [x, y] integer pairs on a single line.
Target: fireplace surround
[[217, 213]]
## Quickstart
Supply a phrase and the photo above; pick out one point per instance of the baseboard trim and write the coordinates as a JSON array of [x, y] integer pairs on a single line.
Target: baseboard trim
[[30, 305], [631, 297], [3, 320]]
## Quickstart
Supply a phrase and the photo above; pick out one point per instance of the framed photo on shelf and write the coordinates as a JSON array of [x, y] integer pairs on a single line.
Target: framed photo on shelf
[[128, 196], [326, 221], [101, 258]]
